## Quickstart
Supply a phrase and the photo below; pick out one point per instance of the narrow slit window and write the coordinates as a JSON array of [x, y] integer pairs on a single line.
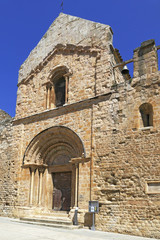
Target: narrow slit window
[[146, 112]]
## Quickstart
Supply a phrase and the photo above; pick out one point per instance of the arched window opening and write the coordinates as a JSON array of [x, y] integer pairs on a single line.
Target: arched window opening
[[57, 88], [146, 112], [60, 87]]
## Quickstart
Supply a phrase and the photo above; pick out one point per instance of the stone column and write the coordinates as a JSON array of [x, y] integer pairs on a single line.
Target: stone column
[[66, 89], [52, 97], [41, 171], [48, 97], [32, 169], [76, 184]]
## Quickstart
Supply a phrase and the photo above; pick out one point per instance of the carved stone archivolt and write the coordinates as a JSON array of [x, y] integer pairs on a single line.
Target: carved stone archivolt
[[57, 149], [54, 146]]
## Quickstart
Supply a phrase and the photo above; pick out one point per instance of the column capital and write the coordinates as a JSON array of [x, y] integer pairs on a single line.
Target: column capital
[[41, 169], [34, 166]]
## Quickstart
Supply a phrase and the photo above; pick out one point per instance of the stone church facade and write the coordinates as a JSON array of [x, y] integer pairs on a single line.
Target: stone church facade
[[83, 131]]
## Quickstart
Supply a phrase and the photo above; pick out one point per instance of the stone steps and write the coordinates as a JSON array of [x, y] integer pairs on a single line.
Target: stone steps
[[57, 222], [51, 220], [54, 214]]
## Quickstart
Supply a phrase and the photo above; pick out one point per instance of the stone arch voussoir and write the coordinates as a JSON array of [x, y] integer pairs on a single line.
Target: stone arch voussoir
[[53, 143]]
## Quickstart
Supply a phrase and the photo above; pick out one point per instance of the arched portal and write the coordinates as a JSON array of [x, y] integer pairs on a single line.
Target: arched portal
[[48, 156]]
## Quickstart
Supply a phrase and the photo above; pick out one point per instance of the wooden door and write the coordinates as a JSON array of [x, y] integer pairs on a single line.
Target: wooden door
[[61, 191]]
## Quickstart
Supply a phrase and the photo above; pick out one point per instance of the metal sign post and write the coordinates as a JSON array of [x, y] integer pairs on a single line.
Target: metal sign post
[[93, 222], [93, 208]]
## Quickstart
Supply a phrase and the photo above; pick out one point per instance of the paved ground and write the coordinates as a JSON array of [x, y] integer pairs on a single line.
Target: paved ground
[[22, 231]]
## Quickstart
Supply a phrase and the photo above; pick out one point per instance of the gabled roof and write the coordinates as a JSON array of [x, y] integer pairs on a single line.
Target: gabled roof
[[66, 29]]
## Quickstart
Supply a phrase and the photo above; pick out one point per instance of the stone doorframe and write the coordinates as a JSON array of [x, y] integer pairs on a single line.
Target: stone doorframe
[[63, 169], [56, 149], [75, 164], [72, 166]]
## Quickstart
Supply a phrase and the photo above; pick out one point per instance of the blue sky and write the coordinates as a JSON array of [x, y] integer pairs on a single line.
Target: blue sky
[[24, 22]]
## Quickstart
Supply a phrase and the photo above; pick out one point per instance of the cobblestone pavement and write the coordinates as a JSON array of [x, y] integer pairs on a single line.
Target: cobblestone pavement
[[9, 229]]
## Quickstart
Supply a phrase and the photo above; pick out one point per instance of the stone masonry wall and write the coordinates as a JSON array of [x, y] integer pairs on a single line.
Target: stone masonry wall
[[31, 96], [126, 156], [91, 75], [8, 187], [66, 29]]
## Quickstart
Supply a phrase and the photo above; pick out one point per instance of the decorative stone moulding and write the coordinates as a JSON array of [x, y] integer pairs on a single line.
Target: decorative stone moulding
[[70, 48], [79, 160], [29, 165]]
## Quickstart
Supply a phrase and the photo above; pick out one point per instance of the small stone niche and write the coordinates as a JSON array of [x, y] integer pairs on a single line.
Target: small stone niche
[[153, 187]]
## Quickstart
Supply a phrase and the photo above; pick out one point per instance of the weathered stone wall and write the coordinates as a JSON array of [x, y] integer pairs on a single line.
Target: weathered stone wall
[[8, 188], [74, 31], [91, 75], [125, 160], [126, 155], [31, 97]]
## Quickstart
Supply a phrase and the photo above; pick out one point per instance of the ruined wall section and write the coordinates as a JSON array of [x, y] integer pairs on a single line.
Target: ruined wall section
[[8, 187], [126, 155]]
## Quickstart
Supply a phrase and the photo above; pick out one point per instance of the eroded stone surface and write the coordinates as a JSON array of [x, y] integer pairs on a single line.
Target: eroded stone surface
[[66, 29]]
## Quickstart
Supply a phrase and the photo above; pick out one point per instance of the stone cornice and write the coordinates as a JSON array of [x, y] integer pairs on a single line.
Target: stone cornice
[[76, 105]]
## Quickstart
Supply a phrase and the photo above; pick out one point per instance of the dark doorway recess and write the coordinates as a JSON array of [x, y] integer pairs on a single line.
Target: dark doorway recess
[[61, 191]]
